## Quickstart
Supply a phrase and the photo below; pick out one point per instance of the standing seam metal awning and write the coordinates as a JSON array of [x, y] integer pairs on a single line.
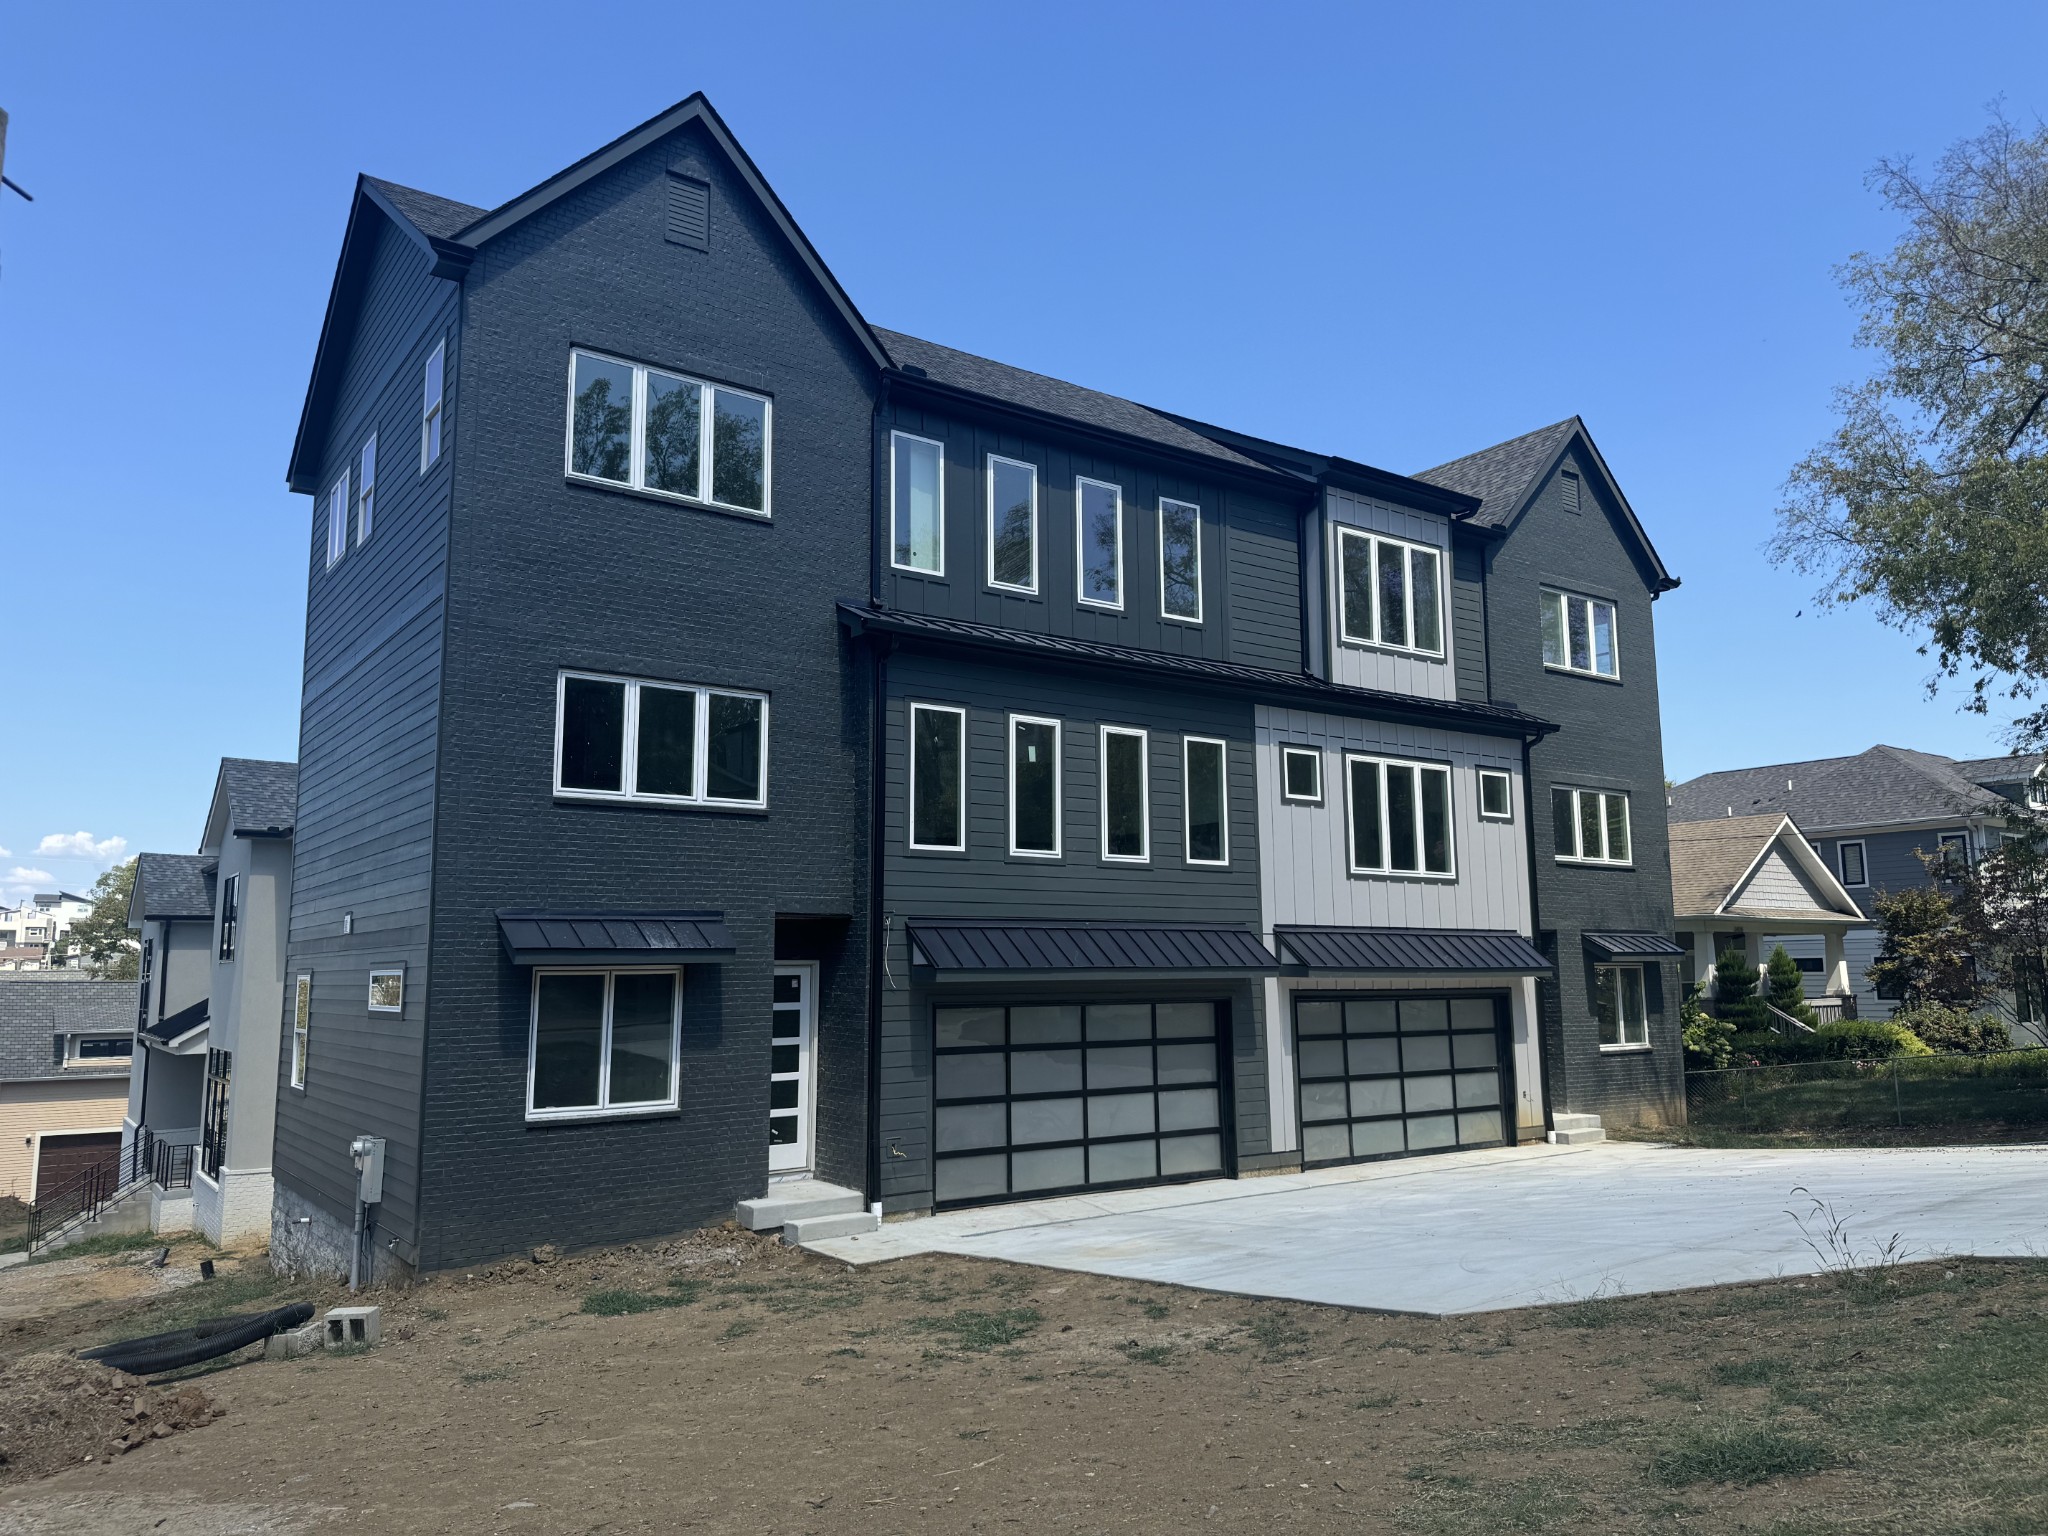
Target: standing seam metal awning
[[975, 950], [1411, 951], [615, 938], [1631, 946]]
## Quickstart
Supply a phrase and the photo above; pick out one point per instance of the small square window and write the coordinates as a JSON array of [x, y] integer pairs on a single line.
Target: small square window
[[1301, 775], [1496, 796], [387, 989]]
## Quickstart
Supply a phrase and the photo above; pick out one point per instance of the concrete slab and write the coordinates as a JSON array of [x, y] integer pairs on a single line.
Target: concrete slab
[[1510, 1227]]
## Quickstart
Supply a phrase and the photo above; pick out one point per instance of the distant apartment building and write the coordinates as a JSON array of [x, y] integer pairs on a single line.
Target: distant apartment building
[[31, 934]]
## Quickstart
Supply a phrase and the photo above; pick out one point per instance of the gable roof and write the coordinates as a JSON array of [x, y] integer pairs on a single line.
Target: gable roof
[[2014, 768], [171, 885], [260, 798], [36, 1008], [1873, 788], [1714, 865], [1507, 476]]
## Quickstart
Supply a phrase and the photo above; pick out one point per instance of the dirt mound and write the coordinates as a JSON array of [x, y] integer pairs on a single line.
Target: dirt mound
[[56, 1412]]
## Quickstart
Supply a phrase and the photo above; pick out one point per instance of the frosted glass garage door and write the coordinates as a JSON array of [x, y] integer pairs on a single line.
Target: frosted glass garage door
[[1387, 1076]]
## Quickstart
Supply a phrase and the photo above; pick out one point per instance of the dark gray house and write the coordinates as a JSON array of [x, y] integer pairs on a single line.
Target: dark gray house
[[749, 757]]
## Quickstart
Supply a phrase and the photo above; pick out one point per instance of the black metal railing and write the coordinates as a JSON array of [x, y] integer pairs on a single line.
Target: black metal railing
[[85, 1194], [166, 1164]]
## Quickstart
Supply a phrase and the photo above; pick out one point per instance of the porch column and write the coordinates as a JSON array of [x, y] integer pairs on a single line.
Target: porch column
[[1753, 950], [1704, 960], [1837, 964]]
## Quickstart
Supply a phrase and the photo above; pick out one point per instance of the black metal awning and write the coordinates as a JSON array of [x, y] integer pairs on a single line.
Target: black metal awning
[[993, 951], [615, 938], [174, 1027], [1411, 951], [1632, 946]]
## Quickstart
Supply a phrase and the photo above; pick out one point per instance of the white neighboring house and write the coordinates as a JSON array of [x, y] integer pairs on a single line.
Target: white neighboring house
[[31, 932]]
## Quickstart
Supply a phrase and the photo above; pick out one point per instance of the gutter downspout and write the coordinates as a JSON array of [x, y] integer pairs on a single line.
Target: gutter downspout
[[877, 714]]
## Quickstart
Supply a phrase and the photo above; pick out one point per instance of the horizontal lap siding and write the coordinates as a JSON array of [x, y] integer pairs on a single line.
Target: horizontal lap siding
[[367, 761], [1468, 621], [1265, 584]]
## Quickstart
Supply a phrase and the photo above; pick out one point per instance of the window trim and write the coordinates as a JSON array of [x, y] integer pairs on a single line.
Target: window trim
[[1627, 820], [910, 763], [371, 998], [603, 1110], [1165, 615], [629, 769], [366, 489], [1507, 779], [1059, 840], [1289, 749], [1953, 848], [431, 413], [1862, 858], [337, 520], [1374, 538], [1144, 856], [1081, 597], [1624, 1044], [1564, 596], [74, 1039], [636, 438], [302, 1027], [989, 486], [938, 572], [1187, 783], [1386, 871]]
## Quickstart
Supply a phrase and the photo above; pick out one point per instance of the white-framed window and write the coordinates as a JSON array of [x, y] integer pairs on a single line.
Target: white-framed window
[[1579, 635], [387, 989], [1099, 543], [917, 504], [1180, 561], [1400, 817], [1496, 795], [603, 1043], [938, 777], [1126, 795], [1590, 826], [1852, 858], [366, 490], [98, 1050], [302, 1026], [1205, 798], [1621, 1003], [1012, 524], [622, 738], [1389, 592], [1034, 787], [430, 408], [337, 521], [230, 914], [653, 430], [1301, 775]]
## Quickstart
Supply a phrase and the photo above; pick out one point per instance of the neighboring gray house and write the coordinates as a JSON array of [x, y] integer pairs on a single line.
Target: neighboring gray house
[[1871, 817], [64, 1048]]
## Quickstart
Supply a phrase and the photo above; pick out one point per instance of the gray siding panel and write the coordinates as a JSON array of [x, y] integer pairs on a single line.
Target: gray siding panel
[[1265, 584], [1468, 621], [1368, 666]]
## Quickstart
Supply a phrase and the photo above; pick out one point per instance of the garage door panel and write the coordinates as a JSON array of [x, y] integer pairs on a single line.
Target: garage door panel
[[1050, 1168], [979, 1076], [1475, 1050], [1378, 1138], [973, 1178], [1371, 1056], [1047, 1120], [1322, 1058], [965, 1127], [1180, 1155], [1381, 1096], [1426, 1053], [970, 1026], [1189, 1109], [1479, 1125], [1056, 1025], [1122, 1066], [1120, 1021], [1476, 1090], [1369, 1016], [1127, 1114], [1123, 1162], [1046, 1071], [1429, 1133], [1407, 1074], [1425, 1015]]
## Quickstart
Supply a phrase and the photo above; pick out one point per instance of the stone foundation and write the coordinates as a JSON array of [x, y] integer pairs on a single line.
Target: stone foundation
[[309, 1240]]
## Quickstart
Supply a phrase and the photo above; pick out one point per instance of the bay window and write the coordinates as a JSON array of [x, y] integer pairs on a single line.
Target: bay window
[[647, 429]]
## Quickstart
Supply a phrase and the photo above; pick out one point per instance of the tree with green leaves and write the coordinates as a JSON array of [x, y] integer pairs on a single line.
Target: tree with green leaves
[[1735, 996], [1930, 498], [2000, 902], [1787, 988], [102, 935], [1924, 956]]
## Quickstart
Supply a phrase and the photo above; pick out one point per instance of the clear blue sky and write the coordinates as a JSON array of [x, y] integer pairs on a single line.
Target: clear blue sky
[[1397, 232]]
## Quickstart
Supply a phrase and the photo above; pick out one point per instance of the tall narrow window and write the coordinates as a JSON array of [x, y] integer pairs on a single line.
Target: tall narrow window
[[1389, 592], [602, 1042], [1590, 826], [1579, 635], [919, 503], [337, 521], [430, 409], [1180, 560], [660, 432], [1854, 871], [1620, 1002], [938, 777], [733, 741], [1400, 816], [621, 739], [1126, 804], [1012, 524], [366, 495], [230, 914], [1034, 786], [1099, 536], [302, 1026], [1207, 792], [672, 448]]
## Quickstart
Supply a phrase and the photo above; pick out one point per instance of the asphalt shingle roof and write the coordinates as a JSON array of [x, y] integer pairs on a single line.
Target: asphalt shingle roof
[[263, 797], [173, 885], [1500, 476], [437, 217], [1884, 784], [34, 1010], [2014, 768]]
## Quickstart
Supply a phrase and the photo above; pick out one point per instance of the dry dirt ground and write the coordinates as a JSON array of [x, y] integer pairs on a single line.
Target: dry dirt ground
[[720, 1383]]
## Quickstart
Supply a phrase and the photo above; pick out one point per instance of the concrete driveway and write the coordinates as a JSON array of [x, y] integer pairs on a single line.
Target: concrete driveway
[[1483, 1231]]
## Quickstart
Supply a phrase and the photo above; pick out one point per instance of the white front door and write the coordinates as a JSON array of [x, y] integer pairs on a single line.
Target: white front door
[[792, 1069]]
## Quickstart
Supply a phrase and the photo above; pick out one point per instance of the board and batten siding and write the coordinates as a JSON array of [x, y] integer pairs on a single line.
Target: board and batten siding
[[1368, 666]]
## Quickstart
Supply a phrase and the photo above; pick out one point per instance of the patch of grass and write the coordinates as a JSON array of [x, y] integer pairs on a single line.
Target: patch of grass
[[1153, 1309], [1146, 1354], [434, 1314], [1278, 1336], [1364, 1404], [979, 1332], [1731, 1451], [97, 1247], [250, 1287], [850, 1353], [1428, 1474], [1684, 1391], [478, 1378], [1760, 1372], [739, 1328], [973, 1434], [625, 1303], [800, 1298]]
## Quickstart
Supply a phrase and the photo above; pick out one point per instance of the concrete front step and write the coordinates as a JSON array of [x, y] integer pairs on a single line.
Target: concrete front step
[[811, 1229], [1574, 1122], [798, 1200], [1575, 1130]]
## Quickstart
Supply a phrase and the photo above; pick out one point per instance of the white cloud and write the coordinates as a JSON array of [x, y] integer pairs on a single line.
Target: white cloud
[[6, 853], [81, 845]]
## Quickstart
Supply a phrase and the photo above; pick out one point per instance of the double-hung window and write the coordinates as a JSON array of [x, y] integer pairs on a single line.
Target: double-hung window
[[1590, 826], [1205, 789], [1099, 542], [337, 521], [1034, 787], [650, 430], [1578, 635], [430, 408], [1012, 524], [1400, 814], [938, 777], [1622, 1006], [917, 504], [1301, 775], [230, 914], [1389, 593], [603, 1042], [619, 738], [1496, 795], [302, 1026], [1180, 560], [1855, 867], [1126, 801]]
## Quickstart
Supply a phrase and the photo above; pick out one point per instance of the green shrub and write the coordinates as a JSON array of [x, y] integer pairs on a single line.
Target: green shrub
[[1735, 996], [1766, 1048], [1788, 991], [1706, 1038], [1944, 1029], [1869, 1040]]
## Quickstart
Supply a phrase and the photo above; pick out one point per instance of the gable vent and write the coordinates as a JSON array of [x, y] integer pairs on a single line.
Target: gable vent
[[1570, 482], [689, 212]]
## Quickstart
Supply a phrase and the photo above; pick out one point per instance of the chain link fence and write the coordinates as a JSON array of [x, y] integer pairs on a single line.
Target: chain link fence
[[2008, 1088]]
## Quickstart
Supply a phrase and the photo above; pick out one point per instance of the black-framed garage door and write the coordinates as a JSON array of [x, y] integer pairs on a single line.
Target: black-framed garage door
[[1044, 1098], [1385, 1076]]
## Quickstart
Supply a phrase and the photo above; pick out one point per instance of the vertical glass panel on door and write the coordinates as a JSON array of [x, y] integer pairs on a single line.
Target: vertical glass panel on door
[[593, 734], [672, 448], [601, 424], [739, 450], [665, 758]]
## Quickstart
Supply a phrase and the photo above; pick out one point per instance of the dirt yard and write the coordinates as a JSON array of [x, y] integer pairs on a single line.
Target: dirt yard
[[723, 1384]]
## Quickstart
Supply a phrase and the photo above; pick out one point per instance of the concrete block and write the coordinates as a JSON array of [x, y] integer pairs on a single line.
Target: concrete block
[[345, 1326], [796, 1201], [1577, 1136], [809, 1229], [295, 1343]]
